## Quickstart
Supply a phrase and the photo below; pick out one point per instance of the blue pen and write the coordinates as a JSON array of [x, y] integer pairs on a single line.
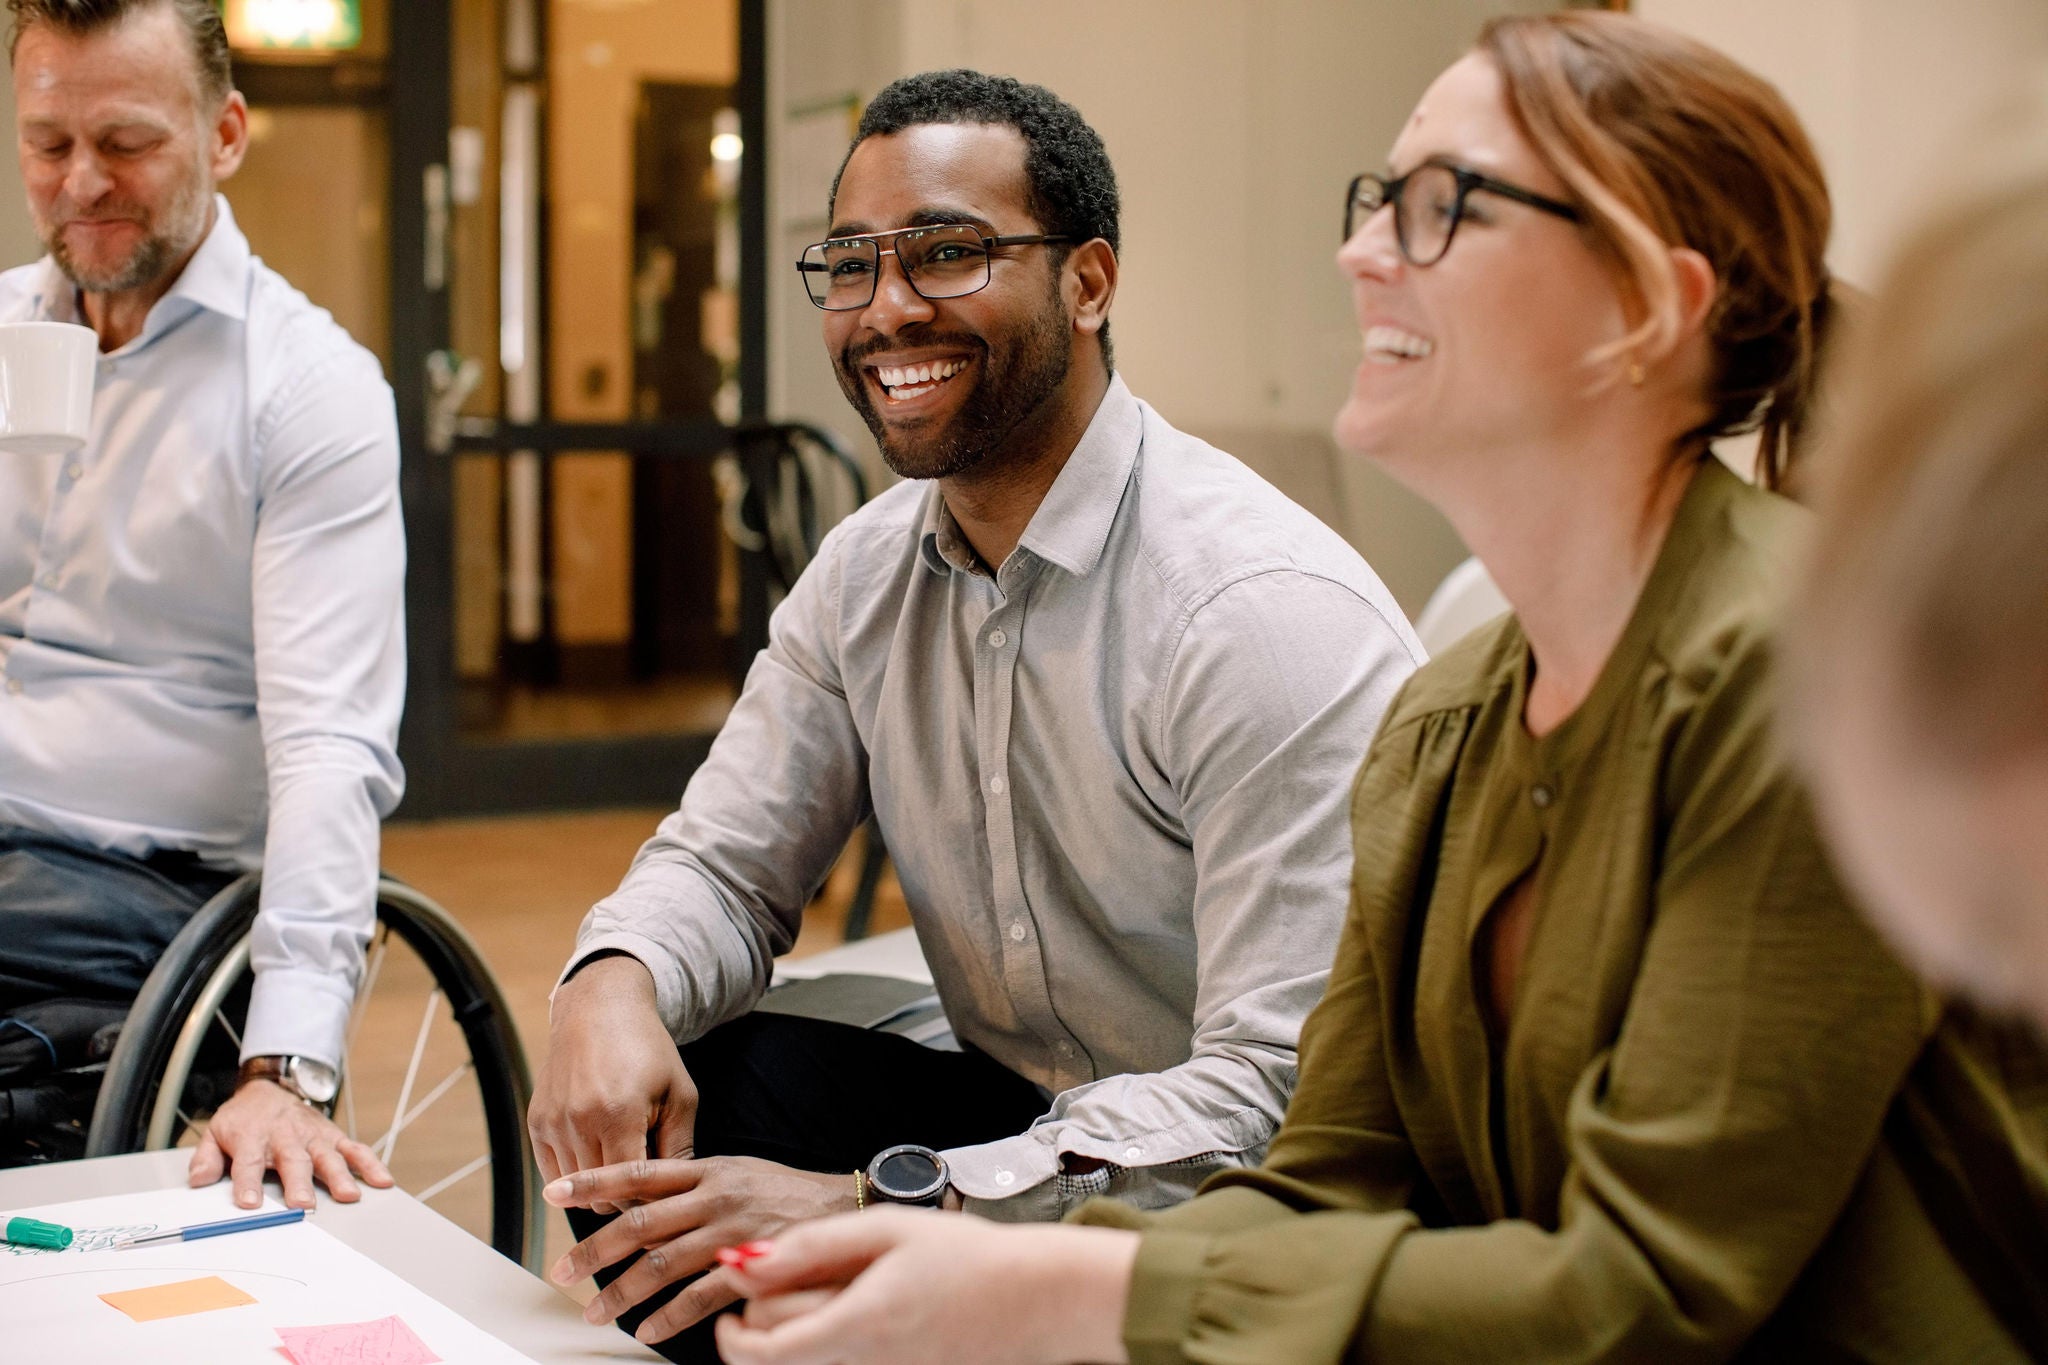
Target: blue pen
[[225, 1225]]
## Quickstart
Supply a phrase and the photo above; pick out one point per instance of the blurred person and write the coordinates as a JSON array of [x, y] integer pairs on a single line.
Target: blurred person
[[1101, 687], [1609, 1068], [1919, 656], [201, 619]]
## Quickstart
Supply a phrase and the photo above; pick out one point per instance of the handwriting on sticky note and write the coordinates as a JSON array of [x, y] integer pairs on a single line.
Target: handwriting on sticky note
[[177, 1300], [387, 1341]]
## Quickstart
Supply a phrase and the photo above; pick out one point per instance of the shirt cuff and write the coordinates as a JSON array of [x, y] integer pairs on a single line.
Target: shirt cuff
[[297, 1013], [668, 984], [1009, 1180]]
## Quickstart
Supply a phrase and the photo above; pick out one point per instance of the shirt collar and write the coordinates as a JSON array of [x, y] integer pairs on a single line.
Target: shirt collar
[[216, 278], [1072, 524]]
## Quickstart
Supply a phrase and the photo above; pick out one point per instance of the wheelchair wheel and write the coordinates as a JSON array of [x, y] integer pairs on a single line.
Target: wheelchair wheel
[[434, 1078]]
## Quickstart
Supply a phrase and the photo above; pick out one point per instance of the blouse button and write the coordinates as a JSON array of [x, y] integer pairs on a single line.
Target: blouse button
[[1542, 794]]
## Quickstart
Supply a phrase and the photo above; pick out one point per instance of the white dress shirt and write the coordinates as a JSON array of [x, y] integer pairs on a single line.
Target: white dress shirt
[[201, 616], [1112, 778]]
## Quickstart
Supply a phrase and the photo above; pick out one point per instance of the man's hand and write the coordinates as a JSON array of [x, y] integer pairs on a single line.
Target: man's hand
[[265, 1126], [612, 1077], [680, 1213], [909, 1287]]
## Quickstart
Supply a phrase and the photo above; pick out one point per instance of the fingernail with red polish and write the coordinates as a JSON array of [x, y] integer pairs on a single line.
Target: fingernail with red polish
[[737, 1257]]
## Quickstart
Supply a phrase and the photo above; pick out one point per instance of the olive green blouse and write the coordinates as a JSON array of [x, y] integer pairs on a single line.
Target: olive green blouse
[[1721, 1121]]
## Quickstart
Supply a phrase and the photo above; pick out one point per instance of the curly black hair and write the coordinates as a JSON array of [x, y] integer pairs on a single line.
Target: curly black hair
[[1073, 187]]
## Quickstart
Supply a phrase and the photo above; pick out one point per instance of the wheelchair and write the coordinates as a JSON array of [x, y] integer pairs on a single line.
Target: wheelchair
[[429, 1031]]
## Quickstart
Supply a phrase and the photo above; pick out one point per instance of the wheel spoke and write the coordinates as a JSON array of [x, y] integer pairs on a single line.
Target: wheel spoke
[[220, 1017], [463, 1172], [412, 1071], [407, 1119], [379, 946], [370, 970]]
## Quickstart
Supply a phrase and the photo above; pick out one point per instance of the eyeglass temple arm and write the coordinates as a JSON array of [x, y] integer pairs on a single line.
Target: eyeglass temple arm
[[1529, 197]]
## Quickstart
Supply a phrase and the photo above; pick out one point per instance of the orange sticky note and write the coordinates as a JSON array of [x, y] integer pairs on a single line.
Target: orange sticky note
[[177, 1300]]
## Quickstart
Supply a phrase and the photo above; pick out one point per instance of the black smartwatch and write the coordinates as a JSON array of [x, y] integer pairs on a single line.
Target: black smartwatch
[[909, 1174]]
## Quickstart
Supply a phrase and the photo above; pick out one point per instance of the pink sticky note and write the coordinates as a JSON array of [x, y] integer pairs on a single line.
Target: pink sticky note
[[387, 1341]]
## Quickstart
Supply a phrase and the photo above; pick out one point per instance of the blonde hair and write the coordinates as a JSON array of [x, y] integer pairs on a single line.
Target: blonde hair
[[1666, 142], [1929, 574]]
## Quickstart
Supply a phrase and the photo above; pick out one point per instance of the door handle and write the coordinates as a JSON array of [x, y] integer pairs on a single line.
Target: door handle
[[451, 378]]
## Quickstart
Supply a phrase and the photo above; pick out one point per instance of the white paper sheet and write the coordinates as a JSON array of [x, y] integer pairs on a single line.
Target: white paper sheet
[[300, 1276]]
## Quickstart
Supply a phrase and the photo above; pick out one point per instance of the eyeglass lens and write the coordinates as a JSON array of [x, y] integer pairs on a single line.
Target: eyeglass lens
[[1426, 209], [940, 262]]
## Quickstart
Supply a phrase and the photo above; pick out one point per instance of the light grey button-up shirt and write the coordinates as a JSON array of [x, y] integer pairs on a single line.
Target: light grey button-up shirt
[[201, 616], [1113, 779]]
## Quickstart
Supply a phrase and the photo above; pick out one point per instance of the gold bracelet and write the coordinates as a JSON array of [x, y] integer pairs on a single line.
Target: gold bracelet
[[860, 1190]]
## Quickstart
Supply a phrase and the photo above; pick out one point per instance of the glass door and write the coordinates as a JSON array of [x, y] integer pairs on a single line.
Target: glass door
[[575, 338]]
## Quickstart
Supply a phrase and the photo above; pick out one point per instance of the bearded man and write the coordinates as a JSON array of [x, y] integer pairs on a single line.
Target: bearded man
[[201, 624], [1102, 687]]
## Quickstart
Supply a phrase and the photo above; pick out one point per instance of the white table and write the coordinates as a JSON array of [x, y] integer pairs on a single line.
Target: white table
[[393, 1229]]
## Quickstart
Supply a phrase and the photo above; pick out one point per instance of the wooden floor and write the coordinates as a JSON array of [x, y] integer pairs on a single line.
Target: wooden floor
[[520, 886]]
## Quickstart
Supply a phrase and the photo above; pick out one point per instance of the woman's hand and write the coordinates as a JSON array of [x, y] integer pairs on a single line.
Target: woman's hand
[[904, 1287]]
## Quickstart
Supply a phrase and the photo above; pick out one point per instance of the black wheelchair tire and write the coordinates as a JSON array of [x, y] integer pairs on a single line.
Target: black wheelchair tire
[[128, 1093]]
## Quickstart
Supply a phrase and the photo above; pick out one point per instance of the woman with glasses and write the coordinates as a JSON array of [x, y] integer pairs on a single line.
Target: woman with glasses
[[1609, 1068]]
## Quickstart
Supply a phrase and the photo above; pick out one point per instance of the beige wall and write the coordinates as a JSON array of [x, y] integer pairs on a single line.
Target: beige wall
[[1885, 88], [18, 244]]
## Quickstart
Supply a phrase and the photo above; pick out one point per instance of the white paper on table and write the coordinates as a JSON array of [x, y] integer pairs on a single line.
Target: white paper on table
[[299, 1274]]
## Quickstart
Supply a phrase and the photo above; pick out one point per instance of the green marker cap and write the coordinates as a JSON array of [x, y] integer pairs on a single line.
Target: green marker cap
[[32, 1232]]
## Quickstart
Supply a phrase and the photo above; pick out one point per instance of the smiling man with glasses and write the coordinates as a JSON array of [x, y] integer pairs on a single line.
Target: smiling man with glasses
[[1103, 688]]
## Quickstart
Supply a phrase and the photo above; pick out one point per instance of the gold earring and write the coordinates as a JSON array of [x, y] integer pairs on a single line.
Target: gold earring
[[1635, 373]]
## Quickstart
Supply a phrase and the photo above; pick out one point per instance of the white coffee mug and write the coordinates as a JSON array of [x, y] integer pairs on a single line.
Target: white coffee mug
[[46, 375]]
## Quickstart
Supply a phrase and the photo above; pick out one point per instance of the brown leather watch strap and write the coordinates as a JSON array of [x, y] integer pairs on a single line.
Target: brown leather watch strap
[[264, 1069], [277, 1070]]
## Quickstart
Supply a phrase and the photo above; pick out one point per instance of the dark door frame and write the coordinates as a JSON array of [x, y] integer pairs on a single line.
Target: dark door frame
[[447, 772]]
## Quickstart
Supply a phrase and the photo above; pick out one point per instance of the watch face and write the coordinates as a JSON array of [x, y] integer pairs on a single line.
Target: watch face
[[317, 1081], [909, 1174]]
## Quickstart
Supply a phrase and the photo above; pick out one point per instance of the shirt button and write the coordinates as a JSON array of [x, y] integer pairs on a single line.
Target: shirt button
[[1542, 794], [48, 581], [1016, 930], [74, 472], [14, 687], [996, 639], [995, 784], [1006, 1178], [1133, 1153]]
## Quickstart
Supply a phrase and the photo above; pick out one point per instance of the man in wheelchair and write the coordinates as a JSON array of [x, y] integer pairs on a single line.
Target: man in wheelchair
[[201, 633]]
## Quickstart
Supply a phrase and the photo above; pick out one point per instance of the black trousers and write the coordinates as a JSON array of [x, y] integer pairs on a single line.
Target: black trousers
[[823, 1096], [79, 922]]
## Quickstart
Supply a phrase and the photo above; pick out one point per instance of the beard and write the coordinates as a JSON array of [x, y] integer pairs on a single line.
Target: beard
[[168, 234], [1016, 375]]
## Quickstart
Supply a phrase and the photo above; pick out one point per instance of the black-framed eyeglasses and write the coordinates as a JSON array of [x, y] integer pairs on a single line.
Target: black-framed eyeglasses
[[944, 261], [1429, 203]]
